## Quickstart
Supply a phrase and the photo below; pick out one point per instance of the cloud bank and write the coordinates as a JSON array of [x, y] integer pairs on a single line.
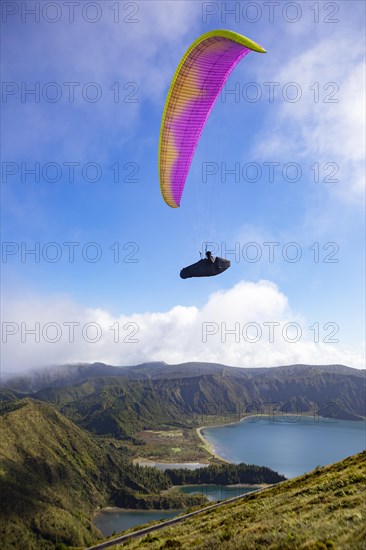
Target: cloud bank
[[249, 325]]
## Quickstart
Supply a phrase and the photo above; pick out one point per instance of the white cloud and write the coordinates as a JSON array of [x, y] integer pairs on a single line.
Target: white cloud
[[327, 123], [220, 331]]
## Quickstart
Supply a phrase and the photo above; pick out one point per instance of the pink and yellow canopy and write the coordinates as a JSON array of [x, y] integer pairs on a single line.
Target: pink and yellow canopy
[[197, 82]]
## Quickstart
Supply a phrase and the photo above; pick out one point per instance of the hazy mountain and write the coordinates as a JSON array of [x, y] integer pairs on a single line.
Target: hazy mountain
[[127, 399], [66, 375], [57, 376]]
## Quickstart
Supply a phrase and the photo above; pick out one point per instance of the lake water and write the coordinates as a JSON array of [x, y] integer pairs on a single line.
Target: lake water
[[117, 520], [289, 445]]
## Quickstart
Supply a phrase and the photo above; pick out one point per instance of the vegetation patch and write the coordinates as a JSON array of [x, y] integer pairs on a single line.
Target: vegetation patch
[[283, 517]]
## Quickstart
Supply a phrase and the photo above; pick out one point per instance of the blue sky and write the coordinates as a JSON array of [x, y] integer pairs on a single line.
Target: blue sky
[[292, 132]]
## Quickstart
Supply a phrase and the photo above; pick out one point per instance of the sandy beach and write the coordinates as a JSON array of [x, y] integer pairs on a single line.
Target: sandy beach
[[209, 448]]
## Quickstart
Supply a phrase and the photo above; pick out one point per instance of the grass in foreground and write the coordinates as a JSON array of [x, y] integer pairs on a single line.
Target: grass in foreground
[[325, 509]]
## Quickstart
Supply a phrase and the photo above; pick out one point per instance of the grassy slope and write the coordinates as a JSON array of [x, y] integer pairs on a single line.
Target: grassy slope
[[323, 509], [43, 453], [53, 476]]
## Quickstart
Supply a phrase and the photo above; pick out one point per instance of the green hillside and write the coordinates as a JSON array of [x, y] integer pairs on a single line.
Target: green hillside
[[196, 394], [54, 476], [325, 509]]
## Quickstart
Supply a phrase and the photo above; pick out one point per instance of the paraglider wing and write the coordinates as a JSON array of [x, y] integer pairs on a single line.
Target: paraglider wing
[[198, 80]]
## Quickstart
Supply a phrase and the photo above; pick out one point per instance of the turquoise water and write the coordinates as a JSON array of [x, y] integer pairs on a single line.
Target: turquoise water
[[110, 521], [215, 492], [289, 445]]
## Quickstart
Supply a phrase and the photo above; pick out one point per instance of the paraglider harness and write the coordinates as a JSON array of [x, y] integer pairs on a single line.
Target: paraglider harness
[[206, 267]]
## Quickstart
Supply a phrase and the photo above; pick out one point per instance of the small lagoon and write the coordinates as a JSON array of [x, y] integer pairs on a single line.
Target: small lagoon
[[115, 520]]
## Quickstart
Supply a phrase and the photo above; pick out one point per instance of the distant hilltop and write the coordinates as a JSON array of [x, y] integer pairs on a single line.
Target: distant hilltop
[[183, 391], [61, 375]]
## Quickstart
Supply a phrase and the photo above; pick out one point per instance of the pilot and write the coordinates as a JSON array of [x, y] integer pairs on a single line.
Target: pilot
[[209, 256]]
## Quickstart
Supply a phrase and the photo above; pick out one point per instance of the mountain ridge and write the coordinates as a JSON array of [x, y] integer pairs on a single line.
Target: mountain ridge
[[127, 400], [72, 373]]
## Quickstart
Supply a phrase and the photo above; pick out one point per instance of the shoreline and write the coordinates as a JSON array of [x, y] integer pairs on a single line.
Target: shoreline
[[208, 446]]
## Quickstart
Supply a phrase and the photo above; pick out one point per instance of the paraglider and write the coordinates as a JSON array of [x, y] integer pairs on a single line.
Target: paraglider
[[206, 267], [197, 82]]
